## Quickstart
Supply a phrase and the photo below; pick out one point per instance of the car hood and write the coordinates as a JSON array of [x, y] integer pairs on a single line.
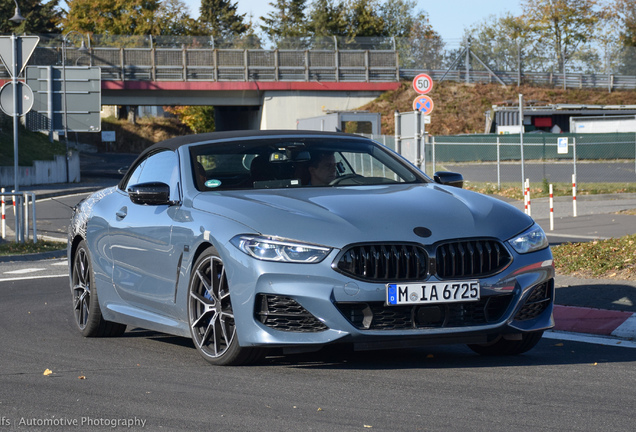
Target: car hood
[[337, 216]]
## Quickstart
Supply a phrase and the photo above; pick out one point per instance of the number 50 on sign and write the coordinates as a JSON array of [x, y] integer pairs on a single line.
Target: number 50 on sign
[[423, 84]]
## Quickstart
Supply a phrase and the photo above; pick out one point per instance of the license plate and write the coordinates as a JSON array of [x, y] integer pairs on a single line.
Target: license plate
[[430, 293]]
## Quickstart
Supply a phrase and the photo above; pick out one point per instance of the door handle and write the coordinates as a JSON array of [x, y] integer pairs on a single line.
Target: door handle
[[121, 213]]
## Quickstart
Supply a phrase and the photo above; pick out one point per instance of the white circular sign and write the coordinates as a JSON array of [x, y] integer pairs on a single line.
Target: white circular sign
[[423, 83], [25, 98]]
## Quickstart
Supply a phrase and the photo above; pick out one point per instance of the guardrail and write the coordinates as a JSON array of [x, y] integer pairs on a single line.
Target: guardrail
[[571, 80], [20, 202]]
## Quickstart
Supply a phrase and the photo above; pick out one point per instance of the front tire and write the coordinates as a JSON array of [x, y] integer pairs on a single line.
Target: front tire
[[88, 315], [210, 314], [504, 347]]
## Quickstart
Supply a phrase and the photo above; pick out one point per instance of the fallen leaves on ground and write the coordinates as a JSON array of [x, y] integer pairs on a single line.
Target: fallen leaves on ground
[[604, 259]]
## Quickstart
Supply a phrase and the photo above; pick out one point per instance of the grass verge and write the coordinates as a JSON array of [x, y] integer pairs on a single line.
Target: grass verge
[[541, 190], [12, 248], [31, 146], [605, 259]]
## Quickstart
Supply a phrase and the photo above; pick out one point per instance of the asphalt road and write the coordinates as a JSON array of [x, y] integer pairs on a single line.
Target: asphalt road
[[158, 382]]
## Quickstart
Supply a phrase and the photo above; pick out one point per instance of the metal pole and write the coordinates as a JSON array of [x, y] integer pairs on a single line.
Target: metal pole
[[574, 153], [68, 176], [14, 83], [16, 119], [398, 142], [498, 165], [433, 155], [416, 139], [49, 99], [523, 169], [518, 63], [467, 60]]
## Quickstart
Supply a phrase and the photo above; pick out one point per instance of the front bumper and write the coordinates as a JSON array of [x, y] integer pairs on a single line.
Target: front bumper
[[309, 305]]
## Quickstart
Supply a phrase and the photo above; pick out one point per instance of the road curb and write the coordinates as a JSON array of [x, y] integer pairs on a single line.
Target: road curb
[[592, 321], [34, 257]]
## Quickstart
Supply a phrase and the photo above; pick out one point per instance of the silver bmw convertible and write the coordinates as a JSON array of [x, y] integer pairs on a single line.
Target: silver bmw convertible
[[296, 240]]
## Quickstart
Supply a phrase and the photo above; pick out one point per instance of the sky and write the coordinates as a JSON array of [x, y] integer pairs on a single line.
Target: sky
[[449, 18]]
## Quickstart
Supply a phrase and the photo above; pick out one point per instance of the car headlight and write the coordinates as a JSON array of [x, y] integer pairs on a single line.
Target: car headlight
[[533, 239], [268, 249]]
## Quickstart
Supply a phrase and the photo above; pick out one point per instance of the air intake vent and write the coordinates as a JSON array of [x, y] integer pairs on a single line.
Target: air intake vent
[[384, 262], [471, 258]]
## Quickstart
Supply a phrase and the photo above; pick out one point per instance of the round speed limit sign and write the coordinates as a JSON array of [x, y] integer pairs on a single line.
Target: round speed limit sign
[[423, 84]]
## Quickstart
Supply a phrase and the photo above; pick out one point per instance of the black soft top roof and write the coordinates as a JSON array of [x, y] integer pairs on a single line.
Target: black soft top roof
[[175, 143]]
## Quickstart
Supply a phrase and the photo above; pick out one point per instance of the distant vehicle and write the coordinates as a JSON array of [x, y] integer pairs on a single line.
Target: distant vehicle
[[247, 241]]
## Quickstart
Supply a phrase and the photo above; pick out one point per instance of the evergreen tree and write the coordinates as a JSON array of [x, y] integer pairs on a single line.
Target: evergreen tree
[[363, 19], [221, 19], [327, 18], [41, 18], [286, 20]]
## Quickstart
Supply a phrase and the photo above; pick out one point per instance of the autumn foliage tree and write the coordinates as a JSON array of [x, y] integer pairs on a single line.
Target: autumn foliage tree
[[564, 25]]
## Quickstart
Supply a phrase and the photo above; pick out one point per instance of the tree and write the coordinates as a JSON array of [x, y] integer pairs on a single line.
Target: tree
[[624, 12], [286, 20], [198, 118], [41, 18], [423, 48], [399, 17], [419, 46], [115, 17], [327, 18], [221, 19], [172, 19], [565, 25], [363, 18]]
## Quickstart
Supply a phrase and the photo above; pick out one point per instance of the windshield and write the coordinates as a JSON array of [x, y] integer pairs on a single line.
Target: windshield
[[296, 162]]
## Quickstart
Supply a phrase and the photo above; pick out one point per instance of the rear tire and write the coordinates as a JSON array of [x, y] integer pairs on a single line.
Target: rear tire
[[211, 317], [88, 315], [505, 347]]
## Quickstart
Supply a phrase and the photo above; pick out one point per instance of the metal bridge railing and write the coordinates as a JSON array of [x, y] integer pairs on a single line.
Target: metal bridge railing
[[207, 64]]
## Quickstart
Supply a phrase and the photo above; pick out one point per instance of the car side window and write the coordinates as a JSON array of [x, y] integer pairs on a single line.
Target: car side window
[[159, 167]]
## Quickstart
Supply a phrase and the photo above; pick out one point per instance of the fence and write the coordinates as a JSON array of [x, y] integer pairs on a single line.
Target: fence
[[593, 158], [600, 162], [330, 59]]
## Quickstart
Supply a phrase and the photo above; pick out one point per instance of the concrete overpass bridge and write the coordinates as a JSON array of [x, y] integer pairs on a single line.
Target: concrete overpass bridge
[[250, 88]]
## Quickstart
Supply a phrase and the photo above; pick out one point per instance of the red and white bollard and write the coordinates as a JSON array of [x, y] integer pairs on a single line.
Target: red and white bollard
[[551, 210], [527, 198], [574, 195]]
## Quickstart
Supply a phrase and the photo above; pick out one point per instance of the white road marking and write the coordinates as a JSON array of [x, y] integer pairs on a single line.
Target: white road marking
[[587, 338], [23, 271], [31, 277], [63, 263]]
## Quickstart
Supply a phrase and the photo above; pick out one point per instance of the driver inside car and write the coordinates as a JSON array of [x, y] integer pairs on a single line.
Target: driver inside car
[[322, 168]]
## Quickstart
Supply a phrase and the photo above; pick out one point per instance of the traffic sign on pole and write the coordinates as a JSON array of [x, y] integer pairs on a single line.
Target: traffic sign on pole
[[25, 47], [423, 84], [24, 99], [424, 104]]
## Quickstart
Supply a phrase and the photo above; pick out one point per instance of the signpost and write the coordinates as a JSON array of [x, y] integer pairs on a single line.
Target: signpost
[[15, 52]]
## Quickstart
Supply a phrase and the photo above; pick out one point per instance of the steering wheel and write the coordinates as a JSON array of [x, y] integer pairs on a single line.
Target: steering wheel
[[340, 179]]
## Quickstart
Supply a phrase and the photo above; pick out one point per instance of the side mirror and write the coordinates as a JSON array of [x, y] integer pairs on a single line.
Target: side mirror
[[449, 178], [155, 193]]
